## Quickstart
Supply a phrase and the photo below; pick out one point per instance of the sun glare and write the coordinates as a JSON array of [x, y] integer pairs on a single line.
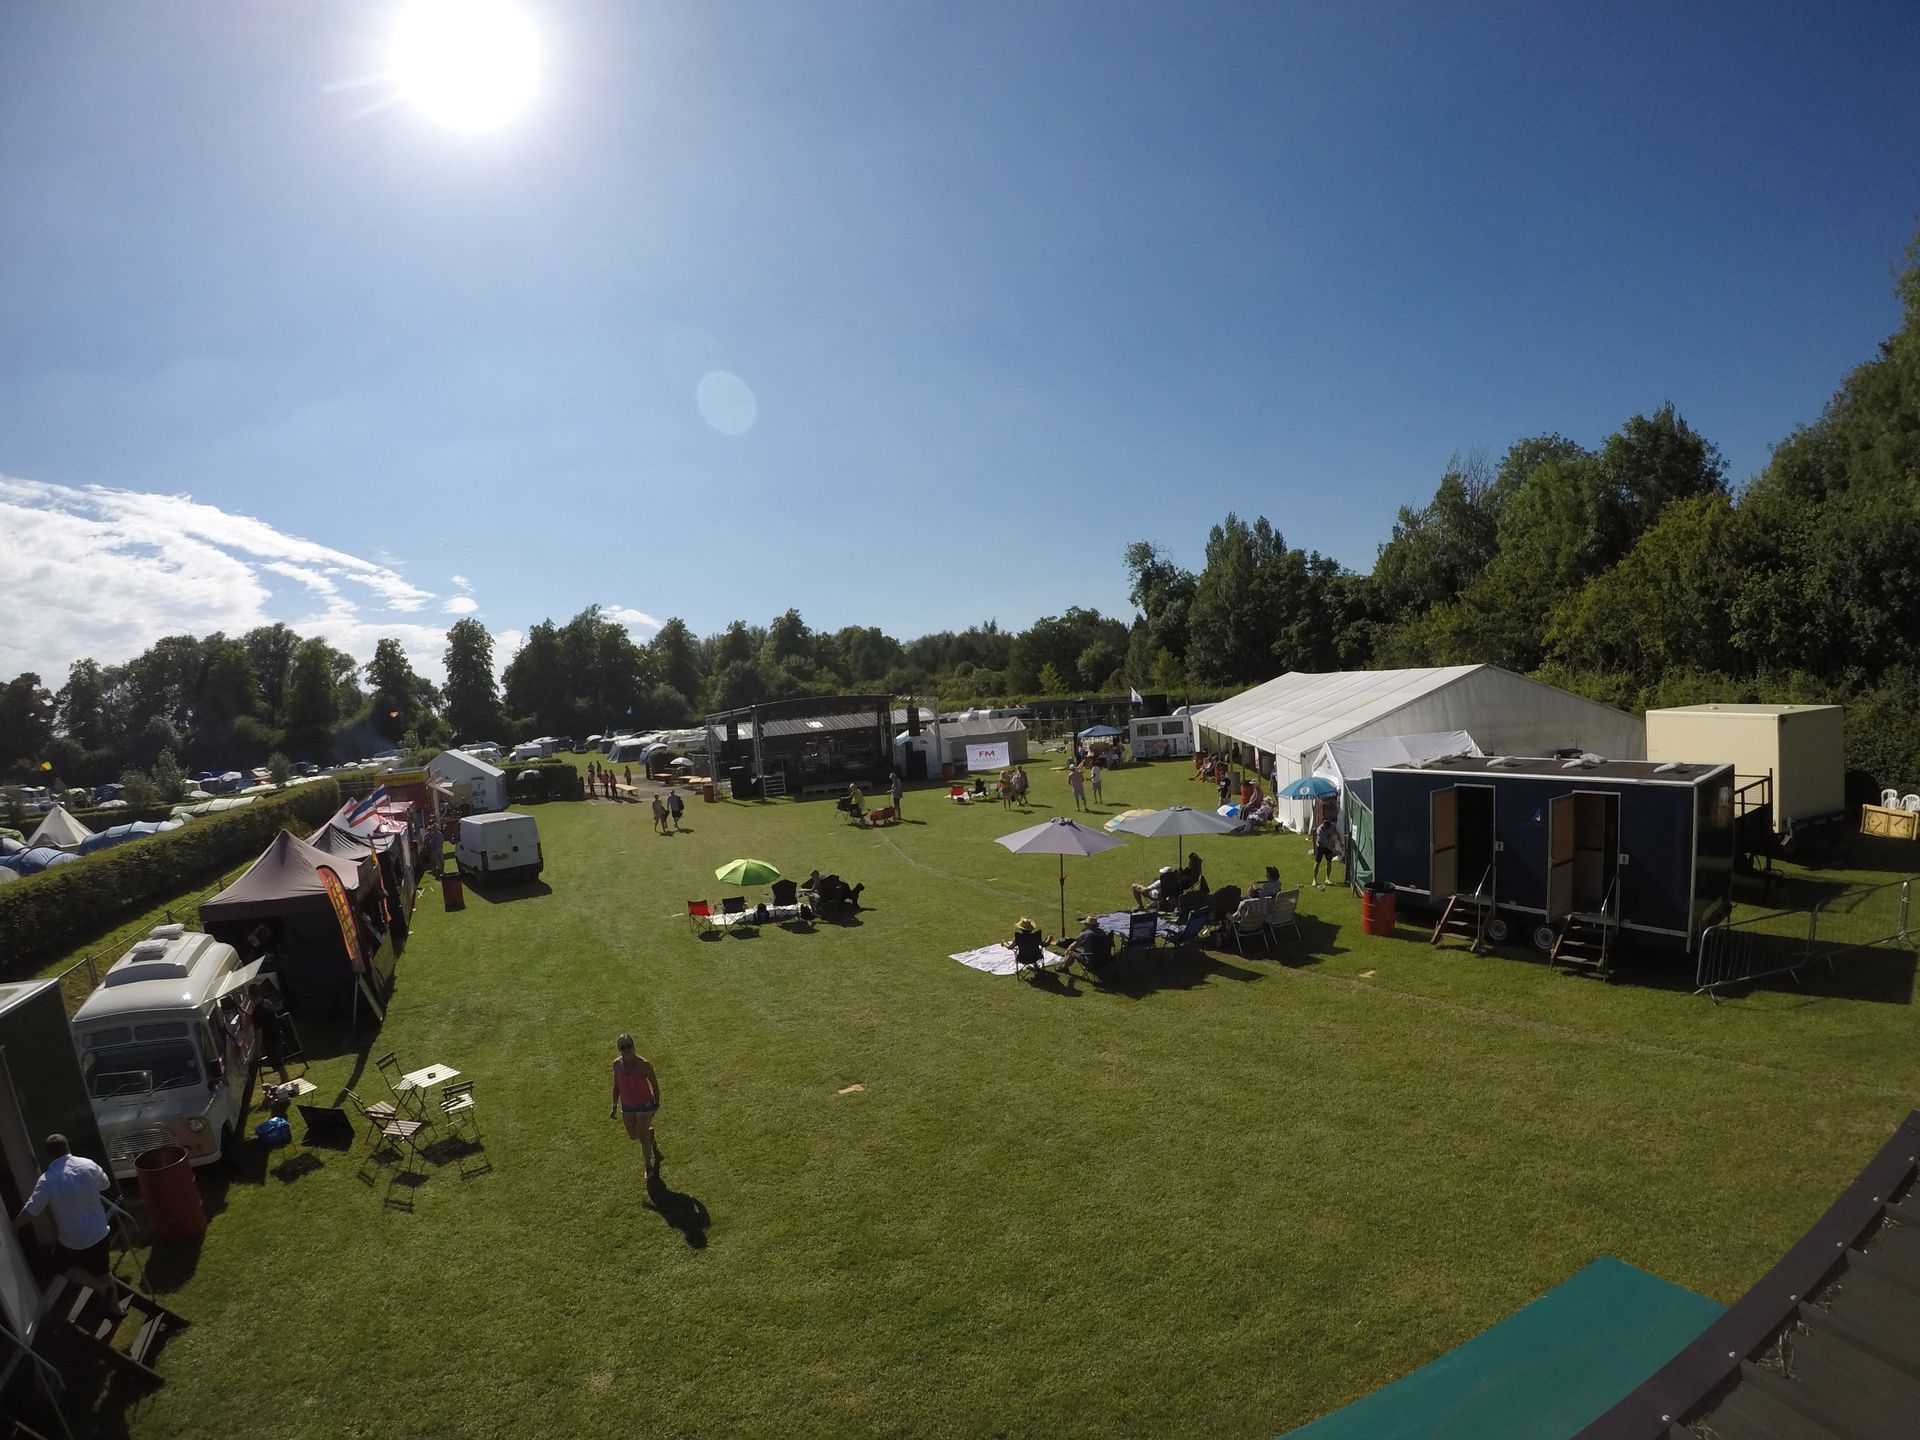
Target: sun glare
[[468, 64]]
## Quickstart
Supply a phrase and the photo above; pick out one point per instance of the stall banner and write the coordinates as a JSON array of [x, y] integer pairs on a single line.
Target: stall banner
[[987, 757], [343, 912]]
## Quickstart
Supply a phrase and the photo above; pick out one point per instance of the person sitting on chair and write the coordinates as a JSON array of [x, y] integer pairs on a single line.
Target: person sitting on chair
[[1171, 885], [980, 786], [1029, 950], [1092, 947], [1269, 886], [832, 892], [856, 804]]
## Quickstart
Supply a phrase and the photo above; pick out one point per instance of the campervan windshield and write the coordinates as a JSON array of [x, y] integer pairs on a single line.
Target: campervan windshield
[[137, 1059]]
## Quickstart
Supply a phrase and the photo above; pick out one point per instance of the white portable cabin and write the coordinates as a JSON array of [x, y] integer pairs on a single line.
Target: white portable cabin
[[1801, 748], [475, 784]]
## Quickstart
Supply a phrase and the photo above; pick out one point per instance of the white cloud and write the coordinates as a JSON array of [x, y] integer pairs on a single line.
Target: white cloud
[[461, 583], [461, 605], [628, 616], [108, 572], [505, 645]]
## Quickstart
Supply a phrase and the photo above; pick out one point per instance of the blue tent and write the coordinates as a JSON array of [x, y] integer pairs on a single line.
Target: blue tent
[[120, 834], [45, 857], [1099, 732]]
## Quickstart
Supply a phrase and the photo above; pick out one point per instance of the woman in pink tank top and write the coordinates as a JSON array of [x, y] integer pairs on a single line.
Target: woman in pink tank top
[[636, 1096]]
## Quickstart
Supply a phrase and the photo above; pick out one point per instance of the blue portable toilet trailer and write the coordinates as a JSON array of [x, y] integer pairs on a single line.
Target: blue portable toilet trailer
[[1548, 844]]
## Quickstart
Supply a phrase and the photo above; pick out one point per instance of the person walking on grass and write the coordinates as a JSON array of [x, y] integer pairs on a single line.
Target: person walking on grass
[[894, 791], [1326, 847], [73, 1186], [636, 1099], [659, 815], [1077, 783], [675, 806], [1098, 770]]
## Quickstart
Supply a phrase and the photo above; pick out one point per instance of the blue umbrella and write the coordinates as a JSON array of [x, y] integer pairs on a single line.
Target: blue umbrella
[[1310, 787]]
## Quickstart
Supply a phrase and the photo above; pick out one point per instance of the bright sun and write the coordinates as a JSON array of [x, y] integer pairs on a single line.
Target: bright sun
[[469, 64]]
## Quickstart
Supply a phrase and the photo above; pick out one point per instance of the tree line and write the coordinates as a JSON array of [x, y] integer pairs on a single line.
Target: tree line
[[1630, 571]]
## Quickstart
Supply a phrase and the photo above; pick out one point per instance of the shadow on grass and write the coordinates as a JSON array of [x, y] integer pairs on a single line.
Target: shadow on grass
[[1142, 974], [507, 894], [680, 1210]]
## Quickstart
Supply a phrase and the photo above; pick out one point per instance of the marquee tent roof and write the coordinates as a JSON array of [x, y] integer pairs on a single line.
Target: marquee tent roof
[[459, 762], [1294, 715], [286, 876], [1356, 759], [58, 829]]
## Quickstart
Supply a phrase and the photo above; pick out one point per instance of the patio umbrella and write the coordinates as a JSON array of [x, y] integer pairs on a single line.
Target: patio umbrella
[[1099, 732], [1310, 787], [747, 872], [683, 763], [1177, 820], [1063, 837], [1114, 824]]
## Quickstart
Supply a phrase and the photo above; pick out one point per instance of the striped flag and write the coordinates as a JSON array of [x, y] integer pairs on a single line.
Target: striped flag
[[367, 806]]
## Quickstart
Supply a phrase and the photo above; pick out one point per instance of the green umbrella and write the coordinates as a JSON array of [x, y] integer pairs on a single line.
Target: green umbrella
[[747, 872]]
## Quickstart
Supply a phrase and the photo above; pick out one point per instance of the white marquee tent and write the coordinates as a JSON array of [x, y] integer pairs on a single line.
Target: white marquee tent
[[1283, 725], [1345, 760]]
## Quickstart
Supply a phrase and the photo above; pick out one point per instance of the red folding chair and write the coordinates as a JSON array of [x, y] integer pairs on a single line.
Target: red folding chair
[[699, 916]]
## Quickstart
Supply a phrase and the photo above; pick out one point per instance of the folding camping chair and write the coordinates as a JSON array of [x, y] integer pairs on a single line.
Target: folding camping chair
[[1143, 929], [785, 892], [1249, 918], [733, 909], [1187, 935], [699, 916], [958, 794], [326, 1125], [1283, 912]]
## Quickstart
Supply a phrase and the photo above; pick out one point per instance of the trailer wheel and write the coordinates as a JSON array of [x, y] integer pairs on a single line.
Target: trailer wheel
[[1498, 929], [1543, 938]]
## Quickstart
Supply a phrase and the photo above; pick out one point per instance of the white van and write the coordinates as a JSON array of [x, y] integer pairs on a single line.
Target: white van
[[503, 846], [162, 1062]]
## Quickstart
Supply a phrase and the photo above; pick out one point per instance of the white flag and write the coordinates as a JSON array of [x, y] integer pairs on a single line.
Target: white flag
[[1135, 694]]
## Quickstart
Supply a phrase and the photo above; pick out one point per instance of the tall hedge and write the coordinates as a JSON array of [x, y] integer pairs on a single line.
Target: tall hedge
[[45, 915]]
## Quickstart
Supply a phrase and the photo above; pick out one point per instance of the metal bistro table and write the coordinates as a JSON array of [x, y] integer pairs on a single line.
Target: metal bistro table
[[429, 1076]]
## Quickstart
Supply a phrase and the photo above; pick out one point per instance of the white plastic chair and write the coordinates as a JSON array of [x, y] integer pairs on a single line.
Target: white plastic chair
[[1911, 804], [1889, 799]]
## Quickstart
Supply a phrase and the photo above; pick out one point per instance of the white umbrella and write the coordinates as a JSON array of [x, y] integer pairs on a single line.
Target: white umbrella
[[1177, 820], [1063, 837]]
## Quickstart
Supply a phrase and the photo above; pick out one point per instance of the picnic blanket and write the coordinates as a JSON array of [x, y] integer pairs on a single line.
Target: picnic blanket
[[1117, 922], [776, 915], [998, 959]]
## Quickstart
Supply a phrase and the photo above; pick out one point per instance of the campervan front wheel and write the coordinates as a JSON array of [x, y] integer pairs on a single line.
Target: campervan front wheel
[[1543, 938]]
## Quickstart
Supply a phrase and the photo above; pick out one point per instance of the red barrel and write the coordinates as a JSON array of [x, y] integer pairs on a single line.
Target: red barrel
[[172, 1199], [1376, 912], [452, 896], [708, 794]]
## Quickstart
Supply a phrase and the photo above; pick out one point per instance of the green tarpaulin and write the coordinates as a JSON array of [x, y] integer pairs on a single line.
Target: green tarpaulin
[[1543, 1373]]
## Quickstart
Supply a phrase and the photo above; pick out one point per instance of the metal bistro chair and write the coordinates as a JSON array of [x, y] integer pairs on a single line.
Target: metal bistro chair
[[456, 1103], [403, 1089], [393, 1130]]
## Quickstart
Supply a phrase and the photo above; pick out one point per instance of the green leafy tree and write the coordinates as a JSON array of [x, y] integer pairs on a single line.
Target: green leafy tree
[[397, 693], [1050, 680], [279, 766], [26, 720], [140, 792], [472, 692], [270, 651], [167, 779], [82, 706], [313, 702], [676, 659], [788, 639]]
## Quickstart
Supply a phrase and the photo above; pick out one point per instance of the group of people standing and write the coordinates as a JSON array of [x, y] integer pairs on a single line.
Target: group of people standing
[[600, 779], [1080, 778]]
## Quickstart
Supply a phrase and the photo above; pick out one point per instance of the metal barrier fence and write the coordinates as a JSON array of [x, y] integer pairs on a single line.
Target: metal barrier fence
[[1762, 946]]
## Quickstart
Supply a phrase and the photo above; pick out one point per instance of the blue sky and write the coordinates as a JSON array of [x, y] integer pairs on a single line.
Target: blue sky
[[1009, 286]]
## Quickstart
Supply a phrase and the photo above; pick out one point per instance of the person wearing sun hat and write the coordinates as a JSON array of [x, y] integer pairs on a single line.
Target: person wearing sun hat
[[1029, 946]]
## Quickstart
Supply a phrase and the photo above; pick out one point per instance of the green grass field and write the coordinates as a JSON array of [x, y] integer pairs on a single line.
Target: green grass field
[[1220, 1195]]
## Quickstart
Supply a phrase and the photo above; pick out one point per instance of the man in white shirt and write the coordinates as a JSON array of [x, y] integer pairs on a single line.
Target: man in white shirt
[[73, 1185]]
